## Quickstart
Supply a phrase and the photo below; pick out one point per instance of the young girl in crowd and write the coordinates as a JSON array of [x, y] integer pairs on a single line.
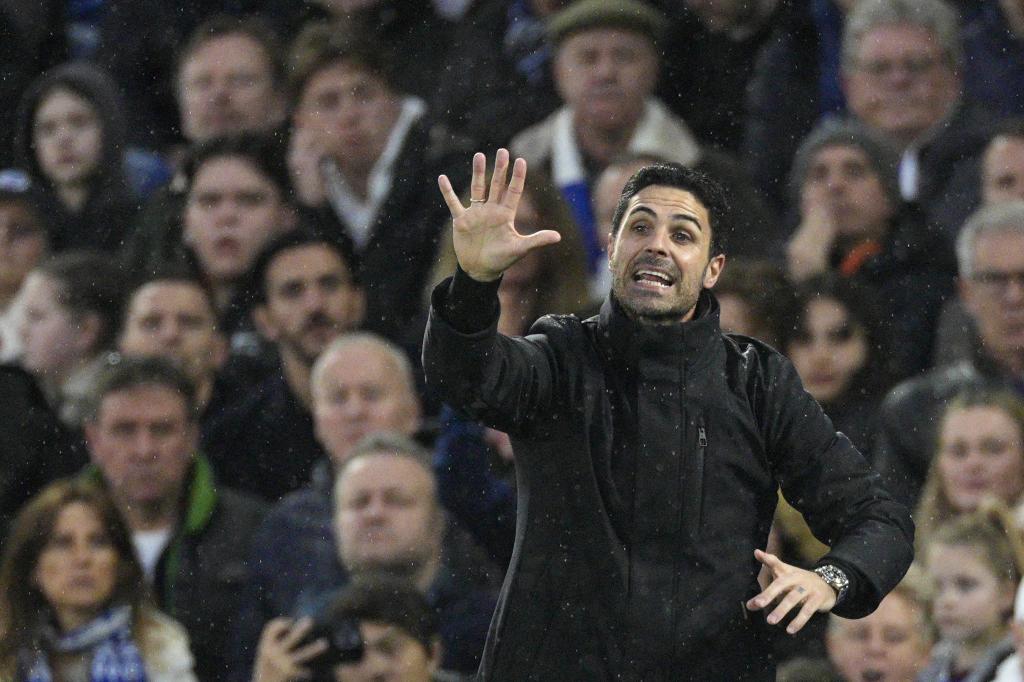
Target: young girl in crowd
[[73, 603], [980, 454], [70, 141], [974, 562]]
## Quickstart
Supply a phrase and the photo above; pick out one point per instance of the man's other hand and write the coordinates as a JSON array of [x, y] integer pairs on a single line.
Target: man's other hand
[[789, 587]]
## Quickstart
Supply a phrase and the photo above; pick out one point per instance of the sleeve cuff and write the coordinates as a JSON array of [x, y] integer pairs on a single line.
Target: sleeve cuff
[[471, 306]]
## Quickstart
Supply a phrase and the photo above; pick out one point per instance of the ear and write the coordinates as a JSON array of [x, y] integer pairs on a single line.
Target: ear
[[89, 328], [965, 290], [435, 653], [713, 270], [264, 324], [92, 439]]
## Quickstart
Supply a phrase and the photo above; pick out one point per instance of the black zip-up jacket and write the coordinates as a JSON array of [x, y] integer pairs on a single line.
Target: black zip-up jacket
[[648, 462]]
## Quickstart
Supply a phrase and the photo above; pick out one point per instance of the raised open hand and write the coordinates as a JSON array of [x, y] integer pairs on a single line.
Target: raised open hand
[[485, 237]]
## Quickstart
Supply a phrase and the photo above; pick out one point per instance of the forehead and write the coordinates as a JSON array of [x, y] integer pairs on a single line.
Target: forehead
[[835, 154], [342, 74], [61, 100], [999, 250], [230, 173], [978, 416], [380, 471], [946, 559], [76, 515], [363, 364], [896, 40], [605, 38], [170, 295], [307, 261], [667, 200], [1005, 149], [228, 51], [144, 402]]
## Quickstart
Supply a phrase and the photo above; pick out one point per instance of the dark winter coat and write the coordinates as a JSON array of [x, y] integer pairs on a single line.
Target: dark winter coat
[[649, 461]]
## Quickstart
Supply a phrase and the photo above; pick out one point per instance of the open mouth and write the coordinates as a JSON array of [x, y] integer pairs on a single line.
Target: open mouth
[[654, 278]]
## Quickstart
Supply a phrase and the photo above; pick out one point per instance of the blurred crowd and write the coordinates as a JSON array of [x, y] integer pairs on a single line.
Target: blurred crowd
[[219, 232]]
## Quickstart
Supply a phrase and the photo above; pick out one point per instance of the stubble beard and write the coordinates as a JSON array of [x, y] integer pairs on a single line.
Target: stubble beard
[[689, 294]]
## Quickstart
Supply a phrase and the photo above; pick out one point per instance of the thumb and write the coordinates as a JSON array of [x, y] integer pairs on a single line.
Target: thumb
[[769, 560], [540, 239]]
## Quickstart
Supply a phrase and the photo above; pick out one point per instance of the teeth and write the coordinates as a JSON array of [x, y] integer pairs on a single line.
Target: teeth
[[658, 278]]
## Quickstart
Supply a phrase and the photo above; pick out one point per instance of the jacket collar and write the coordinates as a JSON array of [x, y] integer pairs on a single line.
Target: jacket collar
[[631, 340]]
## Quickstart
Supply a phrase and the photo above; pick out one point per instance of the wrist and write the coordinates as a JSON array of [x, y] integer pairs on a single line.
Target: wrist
[[835, 578]]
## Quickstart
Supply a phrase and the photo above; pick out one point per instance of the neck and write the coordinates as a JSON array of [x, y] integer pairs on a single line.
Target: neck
[[71, 618], [357, 178], [424, 577], [223, 292], [73, 196], [204, 390], [150, 516], [296, 374], [601, 145]]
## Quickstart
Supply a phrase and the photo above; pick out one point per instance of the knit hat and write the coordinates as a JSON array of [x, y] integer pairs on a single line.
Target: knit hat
[[626, 14], [881, 154]]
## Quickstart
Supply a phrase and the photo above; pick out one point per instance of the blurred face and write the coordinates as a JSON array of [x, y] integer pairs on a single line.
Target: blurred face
[[1002, 170], [387, 516], [525, 270], [843, 181], [900, 82], [994, 293], [970, 602], [227, 86], [660, 255], [174, 320], [361, 391], [981, 453], [351, 111], [736, 316], [143, 442], [23, 243], [605, 75], [311, 299], [68, 138], [831, 350], [887, 646], [606, 196], [77, 569], [55, 340], [231, 213], [390, 655]]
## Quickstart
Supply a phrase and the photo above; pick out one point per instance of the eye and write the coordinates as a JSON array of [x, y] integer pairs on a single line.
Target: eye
[[682, 236]]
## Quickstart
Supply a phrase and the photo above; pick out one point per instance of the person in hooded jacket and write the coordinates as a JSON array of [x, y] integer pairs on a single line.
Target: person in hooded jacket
[[70, 141]]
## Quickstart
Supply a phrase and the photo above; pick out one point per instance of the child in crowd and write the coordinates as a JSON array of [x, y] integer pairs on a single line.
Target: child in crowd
[[974, 562]]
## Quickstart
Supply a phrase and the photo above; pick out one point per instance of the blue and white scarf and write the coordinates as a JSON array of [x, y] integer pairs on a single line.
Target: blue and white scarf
[[115, 658]]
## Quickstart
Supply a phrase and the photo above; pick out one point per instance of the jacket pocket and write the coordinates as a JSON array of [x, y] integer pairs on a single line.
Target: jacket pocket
[[695, 453]]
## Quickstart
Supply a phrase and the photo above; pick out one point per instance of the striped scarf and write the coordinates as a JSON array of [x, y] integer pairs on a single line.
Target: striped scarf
[[115, 658]]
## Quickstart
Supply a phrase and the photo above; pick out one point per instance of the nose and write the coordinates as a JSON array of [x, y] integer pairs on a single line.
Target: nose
[[657, 242]]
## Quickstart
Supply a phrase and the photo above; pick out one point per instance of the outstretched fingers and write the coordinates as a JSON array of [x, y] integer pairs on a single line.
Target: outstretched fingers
[[515, 185], [500, 173], [455, 206]]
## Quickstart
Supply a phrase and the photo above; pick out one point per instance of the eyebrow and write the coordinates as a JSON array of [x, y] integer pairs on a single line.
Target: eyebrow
[[675, 216]]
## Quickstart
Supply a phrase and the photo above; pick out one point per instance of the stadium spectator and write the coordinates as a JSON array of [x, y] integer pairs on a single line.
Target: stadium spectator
[[1002, 167], [73, 600], [606, 65], [854, 224], [190, 534], [367, 155], [305, 297], [70, 140], [990, 257], [72, 310], [24, 242]]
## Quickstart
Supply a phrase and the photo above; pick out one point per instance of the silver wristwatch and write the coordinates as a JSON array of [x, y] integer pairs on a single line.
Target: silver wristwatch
[[834, 578]]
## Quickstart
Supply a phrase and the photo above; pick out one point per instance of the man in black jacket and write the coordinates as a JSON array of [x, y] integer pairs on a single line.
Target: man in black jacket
[[650, 449]]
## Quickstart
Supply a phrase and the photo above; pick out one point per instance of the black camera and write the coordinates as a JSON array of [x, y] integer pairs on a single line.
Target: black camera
[[344, 645]]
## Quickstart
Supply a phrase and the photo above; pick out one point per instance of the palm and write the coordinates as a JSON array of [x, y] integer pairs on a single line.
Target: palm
[[484, 235]]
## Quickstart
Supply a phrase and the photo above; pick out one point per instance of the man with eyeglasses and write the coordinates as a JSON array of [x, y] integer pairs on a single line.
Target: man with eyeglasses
[[902, 76], [990, 257]]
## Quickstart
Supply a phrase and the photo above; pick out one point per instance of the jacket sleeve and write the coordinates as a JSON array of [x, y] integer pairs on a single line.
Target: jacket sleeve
[[824, 477], [510, 384]]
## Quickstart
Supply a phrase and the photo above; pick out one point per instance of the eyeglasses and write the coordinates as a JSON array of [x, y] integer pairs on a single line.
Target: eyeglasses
[[913, 66], [1001, 281]]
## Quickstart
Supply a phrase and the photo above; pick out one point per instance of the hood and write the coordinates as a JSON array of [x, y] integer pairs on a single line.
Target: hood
[[100, 90]]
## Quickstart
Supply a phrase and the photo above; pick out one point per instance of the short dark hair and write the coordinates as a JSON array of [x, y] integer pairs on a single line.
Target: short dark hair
[[222, 25], [176, 272], [122, 372], [322, 45], [89, 283], [297, 239], [259, 151], [383, 598], [706, 189]]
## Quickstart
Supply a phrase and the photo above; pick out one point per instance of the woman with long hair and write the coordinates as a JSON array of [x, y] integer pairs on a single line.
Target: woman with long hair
[[73, 599]]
